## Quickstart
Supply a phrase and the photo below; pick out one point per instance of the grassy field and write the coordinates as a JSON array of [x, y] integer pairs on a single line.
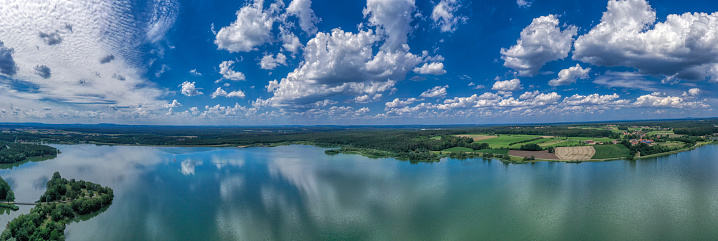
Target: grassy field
[[504, 141], [610, 151], [672, 144], [458, 149], [495, 151], [539, 142]]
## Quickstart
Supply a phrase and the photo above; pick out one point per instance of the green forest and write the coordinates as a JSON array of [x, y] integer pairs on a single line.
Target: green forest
[[16, 152]]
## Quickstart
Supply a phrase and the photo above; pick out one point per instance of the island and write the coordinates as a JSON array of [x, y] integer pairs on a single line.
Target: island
[[563, 142], [60, 204]]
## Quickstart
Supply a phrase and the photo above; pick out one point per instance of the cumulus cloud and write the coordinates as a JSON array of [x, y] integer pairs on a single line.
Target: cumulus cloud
[[290, 41], [436, 92], [398, 103], [431, 68], [541, 42], [570, 75], [270, 62], [42, 71], [684, 46], [444, 15], [220, 92], [661, 101], [694, 92], [368, 98], [7, 63], [303, 10], [225, 69], [189, 89], [252, 28], [341, 63], [507, 85], [174, 104], [392, 19]]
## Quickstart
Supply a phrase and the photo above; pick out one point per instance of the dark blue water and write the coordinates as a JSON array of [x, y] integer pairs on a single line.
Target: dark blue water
[[298, 192]]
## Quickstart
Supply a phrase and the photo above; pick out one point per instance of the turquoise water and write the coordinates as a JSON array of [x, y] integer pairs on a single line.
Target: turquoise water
[[299, 193]]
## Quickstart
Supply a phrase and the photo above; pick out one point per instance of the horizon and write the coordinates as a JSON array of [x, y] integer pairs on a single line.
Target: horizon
[[367, 125], [255, 63]]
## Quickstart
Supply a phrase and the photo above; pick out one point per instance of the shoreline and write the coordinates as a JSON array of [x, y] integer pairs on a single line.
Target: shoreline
[[513, 159]]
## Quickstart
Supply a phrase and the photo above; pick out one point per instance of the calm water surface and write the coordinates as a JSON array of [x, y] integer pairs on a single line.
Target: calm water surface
[[298, 192]]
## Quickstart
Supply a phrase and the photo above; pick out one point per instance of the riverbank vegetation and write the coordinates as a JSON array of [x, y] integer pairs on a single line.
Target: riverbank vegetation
[[60, 204]]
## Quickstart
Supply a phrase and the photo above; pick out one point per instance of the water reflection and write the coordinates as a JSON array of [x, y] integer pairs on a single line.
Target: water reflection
[[297, 192]]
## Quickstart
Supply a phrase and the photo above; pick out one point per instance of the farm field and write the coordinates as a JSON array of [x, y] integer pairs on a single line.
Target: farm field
[[539, 142], [610, 151], [575, 153], [478, 137], [495, 151], [504, 141]]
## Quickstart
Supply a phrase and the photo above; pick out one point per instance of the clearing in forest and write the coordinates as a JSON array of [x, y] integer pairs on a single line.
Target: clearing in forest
[[575, 153]]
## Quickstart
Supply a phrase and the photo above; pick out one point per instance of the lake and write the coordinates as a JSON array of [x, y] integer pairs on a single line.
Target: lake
[[299, 193]]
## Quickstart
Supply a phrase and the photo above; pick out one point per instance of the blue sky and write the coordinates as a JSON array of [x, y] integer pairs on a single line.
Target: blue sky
[[356, 62]]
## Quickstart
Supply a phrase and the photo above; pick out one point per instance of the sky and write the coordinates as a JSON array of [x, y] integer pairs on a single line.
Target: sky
[[374, 62]]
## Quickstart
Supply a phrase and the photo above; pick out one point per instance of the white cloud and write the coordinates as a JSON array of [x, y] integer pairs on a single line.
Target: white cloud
[[398, 103], [507, 85], [164, 68], [252, 28], [593, 99], [303, 10], [529, 95], [657, 100], [684, 46], [392, 19], [174, 104], [225, 69], [438, 91], [444, 15], [341, 63], [368, 98], [694, 92], [431, 68], [222, 93], [570, 75], [195, 72], [541, 42], [524, 3], [78, 32], [626, 80], [270, 62], [163, 16], [291, 41], [189, 89]]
